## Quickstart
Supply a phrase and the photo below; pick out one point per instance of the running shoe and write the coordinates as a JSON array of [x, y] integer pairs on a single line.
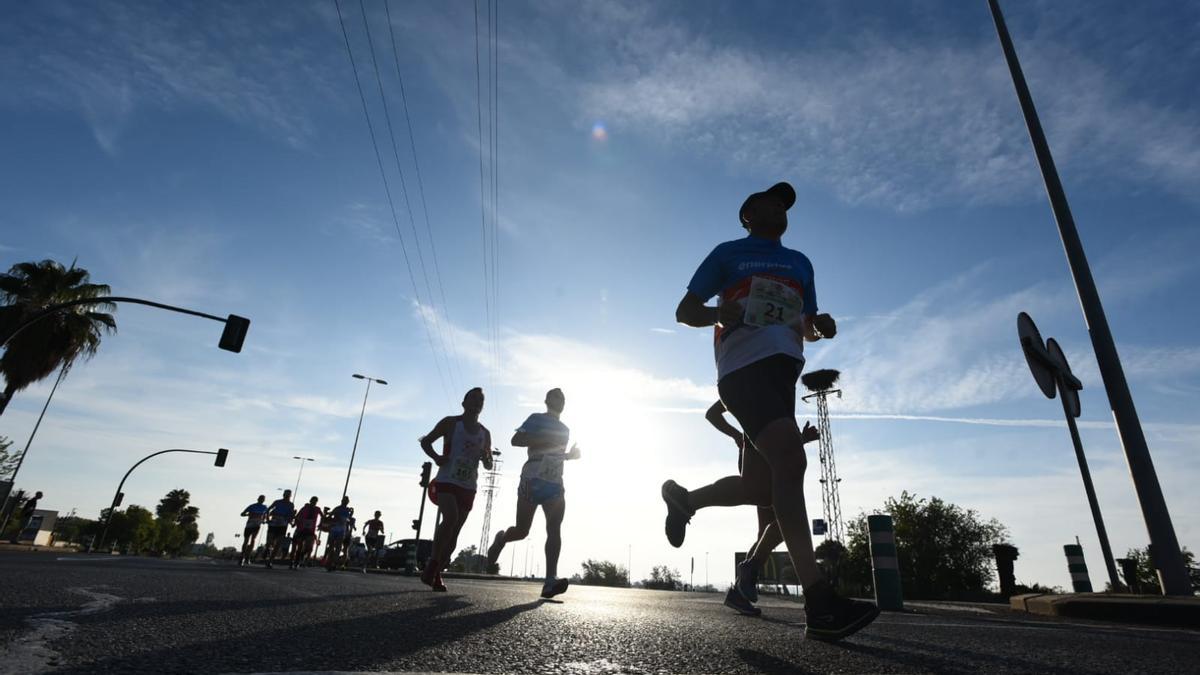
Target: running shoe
[[679, 514], [747, 580], [437, 583], [556, 587], [830, 617], [735, 601], [270, 566]]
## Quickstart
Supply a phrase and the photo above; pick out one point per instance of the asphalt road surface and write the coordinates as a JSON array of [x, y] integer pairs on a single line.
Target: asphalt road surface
[[76, 613]]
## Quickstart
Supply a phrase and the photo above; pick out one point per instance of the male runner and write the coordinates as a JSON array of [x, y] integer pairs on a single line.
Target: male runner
[[541, 485], [279, 516], [254, 515], [767, 308], [308, 519], [339, 529], [465, 444], [373, 529]]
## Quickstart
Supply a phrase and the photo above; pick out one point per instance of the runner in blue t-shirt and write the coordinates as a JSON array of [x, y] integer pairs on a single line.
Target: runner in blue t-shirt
[[341, 516], [254, 515], [279, 516], [766, 310]]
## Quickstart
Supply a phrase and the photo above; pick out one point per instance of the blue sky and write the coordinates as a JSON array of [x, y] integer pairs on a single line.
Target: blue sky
[[217, 156]]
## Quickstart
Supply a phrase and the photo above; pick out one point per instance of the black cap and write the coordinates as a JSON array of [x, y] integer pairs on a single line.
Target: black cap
[[784, 192]]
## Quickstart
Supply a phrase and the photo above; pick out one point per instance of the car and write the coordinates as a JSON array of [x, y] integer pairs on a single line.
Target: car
[[398, 555]]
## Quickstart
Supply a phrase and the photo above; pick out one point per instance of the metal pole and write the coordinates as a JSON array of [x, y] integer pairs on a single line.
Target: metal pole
[[117, 494], [356, 433], [1091, 495], [13, 479], [296, 492], [1172, 571]]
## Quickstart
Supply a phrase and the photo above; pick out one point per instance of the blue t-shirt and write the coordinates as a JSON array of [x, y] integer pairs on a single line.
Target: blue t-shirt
[[254, 514], [341, 518], [775, 286], [281, 512], [550, 436]]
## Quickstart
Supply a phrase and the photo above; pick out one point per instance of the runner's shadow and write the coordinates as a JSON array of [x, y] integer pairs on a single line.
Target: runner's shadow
[[391, 634], [962, 657], [549, 601], [765, 663]]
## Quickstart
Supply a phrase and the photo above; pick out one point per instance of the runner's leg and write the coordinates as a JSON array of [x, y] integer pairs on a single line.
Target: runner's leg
[[554, 511], [525, 511], [446, 532], [782, 446]]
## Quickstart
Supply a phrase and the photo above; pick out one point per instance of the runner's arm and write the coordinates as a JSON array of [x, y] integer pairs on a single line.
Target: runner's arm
[[716, 417], [486, 455], [439, 430], [693, 312]]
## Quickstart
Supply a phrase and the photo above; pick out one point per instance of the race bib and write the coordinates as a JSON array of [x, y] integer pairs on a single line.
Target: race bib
[[772, 303], [464, 471]]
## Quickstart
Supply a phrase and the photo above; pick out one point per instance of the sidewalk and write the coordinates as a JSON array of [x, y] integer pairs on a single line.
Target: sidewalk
[[1155, 610]]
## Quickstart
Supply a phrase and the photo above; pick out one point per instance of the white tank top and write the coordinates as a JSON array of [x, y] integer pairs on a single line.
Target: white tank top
[[461, 466]]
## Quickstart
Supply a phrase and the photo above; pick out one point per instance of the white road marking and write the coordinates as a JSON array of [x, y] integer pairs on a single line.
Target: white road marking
[[31, 652], [77, 558]]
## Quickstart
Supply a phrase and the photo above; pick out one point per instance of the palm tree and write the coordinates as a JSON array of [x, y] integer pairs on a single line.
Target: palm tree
[[55, 341]]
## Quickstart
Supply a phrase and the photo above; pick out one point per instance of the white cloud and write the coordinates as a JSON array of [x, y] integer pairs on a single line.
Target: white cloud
[[110, 63], [883, 122]]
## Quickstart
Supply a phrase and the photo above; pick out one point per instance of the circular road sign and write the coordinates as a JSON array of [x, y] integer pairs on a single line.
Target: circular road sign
[[1069, 394], [1033, 345]]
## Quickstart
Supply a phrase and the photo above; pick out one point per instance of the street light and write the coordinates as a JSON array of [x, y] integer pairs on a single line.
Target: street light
[[296, 492], [354, 450], [221, 454]]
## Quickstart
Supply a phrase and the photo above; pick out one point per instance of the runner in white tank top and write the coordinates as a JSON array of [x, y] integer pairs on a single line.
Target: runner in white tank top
[[466, 443]]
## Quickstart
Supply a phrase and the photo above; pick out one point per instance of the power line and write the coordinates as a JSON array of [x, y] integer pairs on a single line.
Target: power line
[[437, 272], [387, 116], [483, 197], [496, 177], [388, 191]]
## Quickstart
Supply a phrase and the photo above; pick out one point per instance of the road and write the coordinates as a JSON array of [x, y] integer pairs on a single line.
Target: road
[[76, 613]]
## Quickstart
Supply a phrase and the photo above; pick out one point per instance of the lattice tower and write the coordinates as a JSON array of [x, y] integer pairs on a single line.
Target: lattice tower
[[820, 383], [490, 487]]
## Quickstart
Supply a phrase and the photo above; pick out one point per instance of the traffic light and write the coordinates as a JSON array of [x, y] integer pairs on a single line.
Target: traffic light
[[416, 525], [221, 455], [425, 469], [120, 498], [234, 333]]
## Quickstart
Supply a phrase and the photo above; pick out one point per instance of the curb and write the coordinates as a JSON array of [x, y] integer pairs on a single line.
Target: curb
[[1155, 610]]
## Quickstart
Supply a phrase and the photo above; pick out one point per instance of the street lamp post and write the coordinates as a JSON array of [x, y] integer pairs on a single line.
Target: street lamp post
[[221, 454], [354, 450], [296, 492], [1168, 559]]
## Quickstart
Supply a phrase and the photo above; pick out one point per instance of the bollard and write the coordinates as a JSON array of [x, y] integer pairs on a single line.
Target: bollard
[[1130, 572], [1005, 555], [884, 565], [1080, 581]]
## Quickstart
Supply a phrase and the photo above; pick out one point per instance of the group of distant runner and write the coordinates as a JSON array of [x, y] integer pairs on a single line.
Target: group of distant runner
[[337, 525], [766, 310]]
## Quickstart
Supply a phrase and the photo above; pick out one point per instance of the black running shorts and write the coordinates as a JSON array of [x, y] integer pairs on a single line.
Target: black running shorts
[[761, 392], [276, 531]]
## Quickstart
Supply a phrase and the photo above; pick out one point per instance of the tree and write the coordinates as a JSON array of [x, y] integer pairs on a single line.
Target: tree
[[176, 526], [944, 550], [604, 573], [133, 529], [55, 341], [469, 560], [1148, 575], [8, 460], [663, 578]]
